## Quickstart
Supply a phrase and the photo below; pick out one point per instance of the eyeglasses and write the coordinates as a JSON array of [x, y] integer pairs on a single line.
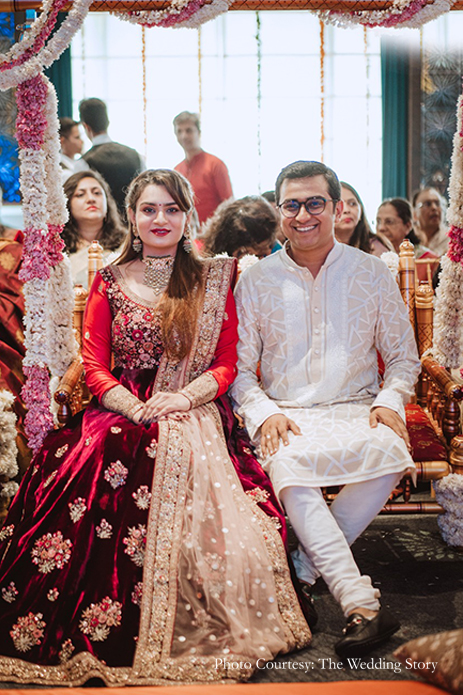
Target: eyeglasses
[[314, 206], [429, 204]]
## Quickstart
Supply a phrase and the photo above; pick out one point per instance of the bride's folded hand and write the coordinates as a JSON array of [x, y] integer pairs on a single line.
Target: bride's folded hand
[[162, 404]]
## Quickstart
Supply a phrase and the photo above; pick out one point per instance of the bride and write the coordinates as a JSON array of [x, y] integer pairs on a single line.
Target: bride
[[132, 552]]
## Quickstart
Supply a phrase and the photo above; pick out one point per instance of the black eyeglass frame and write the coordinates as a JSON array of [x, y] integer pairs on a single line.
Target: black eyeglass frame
[[306, 203]]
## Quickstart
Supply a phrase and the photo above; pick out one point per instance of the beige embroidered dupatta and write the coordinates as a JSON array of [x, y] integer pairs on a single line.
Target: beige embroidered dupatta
[[216, 585]]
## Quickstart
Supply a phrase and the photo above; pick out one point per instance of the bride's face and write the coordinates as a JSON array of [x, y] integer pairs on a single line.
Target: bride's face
[[88, 203], [159, 220]]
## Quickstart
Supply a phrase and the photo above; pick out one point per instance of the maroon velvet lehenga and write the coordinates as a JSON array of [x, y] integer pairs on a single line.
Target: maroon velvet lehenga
[[132, 553]]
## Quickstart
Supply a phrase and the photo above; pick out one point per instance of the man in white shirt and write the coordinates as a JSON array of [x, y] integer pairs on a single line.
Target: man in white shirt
[[314, 315]]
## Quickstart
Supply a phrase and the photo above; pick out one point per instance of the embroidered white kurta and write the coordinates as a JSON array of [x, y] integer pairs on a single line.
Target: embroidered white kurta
[[316, 341]]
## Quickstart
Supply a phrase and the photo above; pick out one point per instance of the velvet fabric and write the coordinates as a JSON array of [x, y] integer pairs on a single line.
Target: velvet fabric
[[131, 552], [426, 445], [70, 473]]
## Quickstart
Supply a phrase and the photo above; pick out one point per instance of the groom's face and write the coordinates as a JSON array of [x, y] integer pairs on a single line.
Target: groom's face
[[308, 232]]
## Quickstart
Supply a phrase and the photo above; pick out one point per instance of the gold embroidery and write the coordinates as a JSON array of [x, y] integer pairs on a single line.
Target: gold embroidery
[[98, 619], [201, 390], [50, 478], [7, 260], [61, 451], [121, 400]]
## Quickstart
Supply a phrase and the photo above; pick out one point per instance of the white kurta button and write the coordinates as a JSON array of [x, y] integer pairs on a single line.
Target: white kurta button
[[317, 310]]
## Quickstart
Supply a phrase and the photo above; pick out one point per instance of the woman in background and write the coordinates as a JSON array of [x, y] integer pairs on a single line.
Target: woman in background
[[353, 227], [394, 220], [240, 227], [93, 216]]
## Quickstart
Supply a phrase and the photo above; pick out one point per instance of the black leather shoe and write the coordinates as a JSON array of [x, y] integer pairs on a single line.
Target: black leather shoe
[[362, 635], [308, 604]]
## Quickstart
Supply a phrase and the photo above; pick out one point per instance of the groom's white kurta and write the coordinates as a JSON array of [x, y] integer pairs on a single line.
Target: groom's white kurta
[[316, 340]]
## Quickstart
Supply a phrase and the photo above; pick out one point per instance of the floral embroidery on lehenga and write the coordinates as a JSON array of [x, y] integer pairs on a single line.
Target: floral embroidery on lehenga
[[152, 449], [61, 451], [77, 509], [28, 631], [142, 497], [66, 651], [10, 592], [104, 530], [98, 619], [88, 441], [257, 495], [116, 474], [136, 543], [6, 532], [50, 551], [136, 593], [116, 430], [53, 594]]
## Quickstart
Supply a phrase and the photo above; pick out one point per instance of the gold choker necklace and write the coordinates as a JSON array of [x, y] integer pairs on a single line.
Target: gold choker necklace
[[158, 270]]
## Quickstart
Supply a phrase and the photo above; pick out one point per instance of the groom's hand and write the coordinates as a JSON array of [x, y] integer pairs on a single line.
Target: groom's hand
[[276, 427]]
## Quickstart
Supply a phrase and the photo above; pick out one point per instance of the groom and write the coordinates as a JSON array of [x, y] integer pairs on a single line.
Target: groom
[[314, 315]]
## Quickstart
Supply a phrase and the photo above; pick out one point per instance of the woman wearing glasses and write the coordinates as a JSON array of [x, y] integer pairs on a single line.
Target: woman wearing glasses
[[353, 227]]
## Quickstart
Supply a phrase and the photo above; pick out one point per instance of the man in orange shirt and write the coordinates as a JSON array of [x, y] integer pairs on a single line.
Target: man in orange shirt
[[207, 174]]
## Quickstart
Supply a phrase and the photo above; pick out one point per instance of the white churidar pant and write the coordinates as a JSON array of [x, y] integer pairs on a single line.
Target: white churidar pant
[[326, 533]]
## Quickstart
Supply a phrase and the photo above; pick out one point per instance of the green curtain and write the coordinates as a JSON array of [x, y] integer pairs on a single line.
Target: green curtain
[[394, 82], [60, 75]]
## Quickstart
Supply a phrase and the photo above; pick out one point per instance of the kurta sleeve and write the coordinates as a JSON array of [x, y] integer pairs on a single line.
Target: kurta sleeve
[[254, 406], [397, 346], [216, 380], [96, 354]]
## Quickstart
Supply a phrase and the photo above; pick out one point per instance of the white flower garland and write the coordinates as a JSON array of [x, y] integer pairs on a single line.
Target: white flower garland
[[391, 259], [8, 448], [448, 319], [61, 344], [47, 54], [390, 18], [455, 211], [205, 14], [154, 17], [449, 494]]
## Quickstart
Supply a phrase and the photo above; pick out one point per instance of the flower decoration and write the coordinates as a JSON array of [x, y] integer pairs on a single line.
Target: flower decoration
[[51, 551], [28, 632], [180, 13], [98, 619], [448, 319], [116, 474], [8, 448], [449, 494], [402, 13], [135, 543]]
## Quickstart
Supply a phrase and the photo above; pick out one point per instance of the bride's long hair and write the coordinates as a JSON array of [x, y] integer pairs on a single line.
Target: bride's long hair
[[179, 305]]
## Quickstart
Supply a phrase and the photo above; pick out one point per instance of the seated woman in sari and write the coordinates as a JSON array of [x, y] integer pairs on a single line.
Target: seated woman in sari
[[132, 552], [93, 216]]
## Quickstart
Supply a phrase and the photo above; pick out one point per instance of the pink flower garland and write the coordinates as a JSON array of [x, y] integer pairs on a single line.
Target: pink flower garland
[[175, 18], [42, 250], [455, 250], [394, 19], [40, 40], [36, 395], [31, 121]]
